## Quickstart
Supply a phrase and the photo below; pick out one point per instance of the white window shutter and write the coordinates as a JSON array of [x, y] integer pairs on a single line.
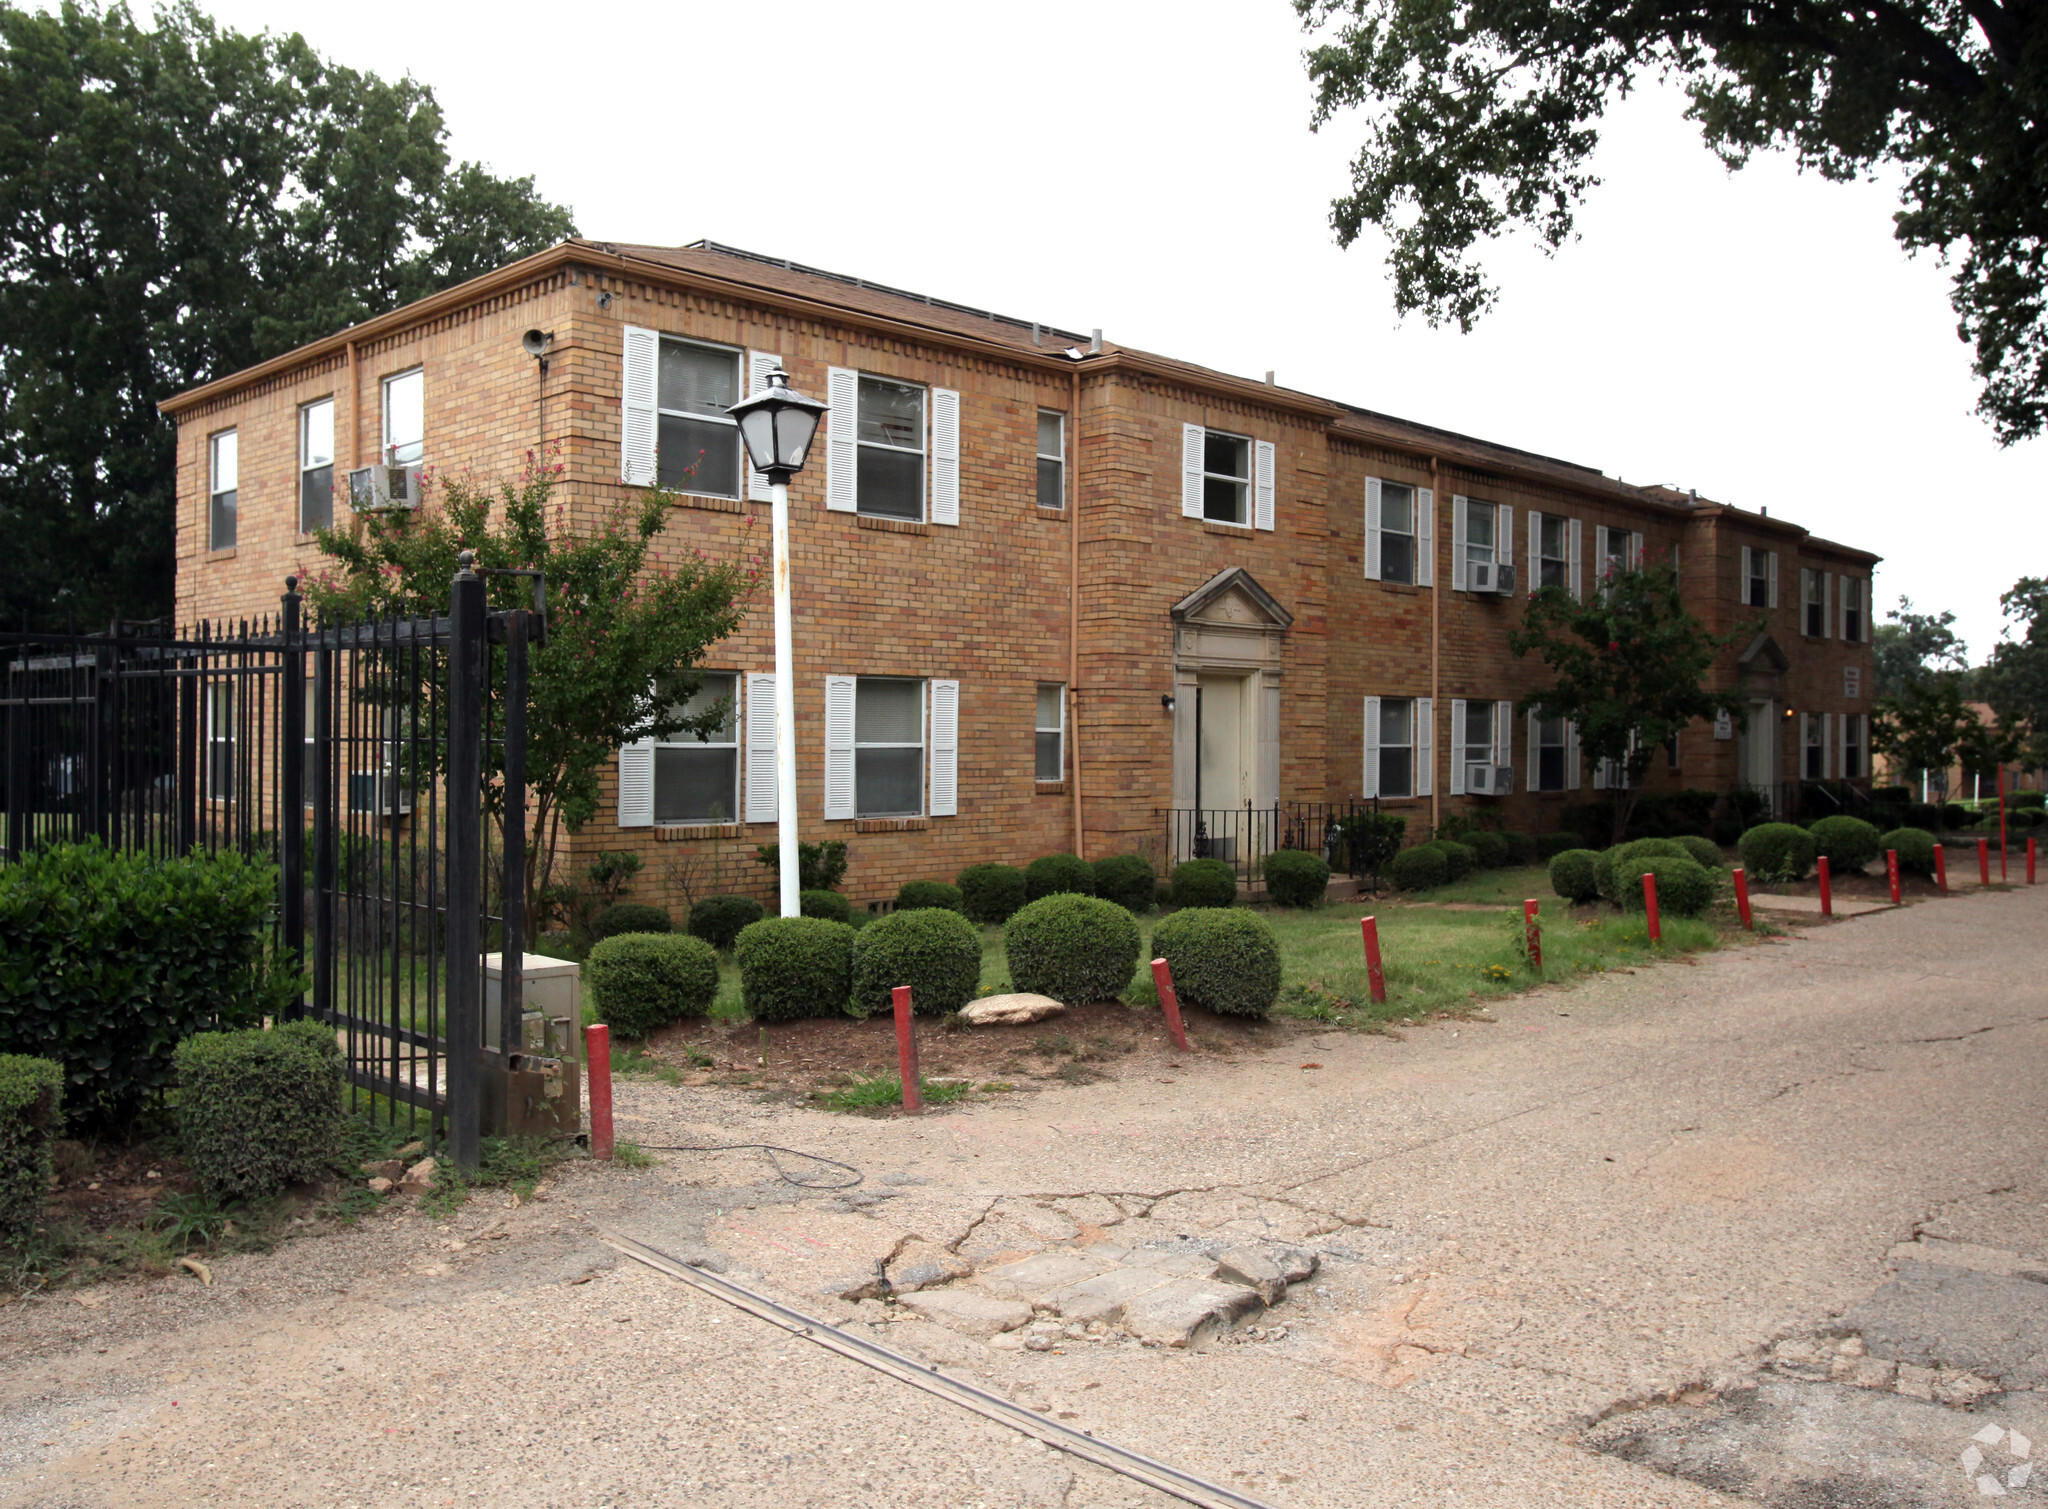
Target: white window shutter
[[759, 365], [1535, 550], [1425, 537], [1770, 578], [1371, 785], [1600, 768], [638, 424], [1846, 723], [636, 784], [1457, 746], [842, 448], [1742, 587], [1575, 548], [1572, 759], [1806, 743], [1192, 437], [945, 457], [1425, 746], [1635, 551], [838, 747], [1504, 536], [1827, 604], [1457, 543], [760, 736], [1262, 485], [1372, 529], [945, 760], [1504, 733]]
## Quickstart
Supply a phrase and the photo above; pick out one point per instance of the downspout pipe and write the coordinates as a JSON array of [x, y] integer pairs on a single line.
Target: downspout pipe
[[1436, 639], [1074, 606]]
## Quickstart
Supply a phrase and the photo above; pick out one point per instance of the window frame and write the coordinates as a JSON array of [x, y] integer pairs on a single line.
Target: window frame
[[1244, 484], [922, 745], [1853, 724], [389, 449], [1756, 590], [1815, 751], [739, 469], [1475, 508], [922, 452], [1562, 560], [737, 744], [1058, 731], [307, 467], [1541, 747], [1411, 534], [215, 492], [1853, 614], [1464, 745], [1407, 748], [1057, 462], [1813, 603]]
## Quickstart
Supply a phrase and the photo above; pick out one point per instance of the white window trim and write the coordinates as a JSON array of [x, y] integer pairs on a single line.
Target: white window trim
[[922, 450], [384, 387], [1421, 747], [741, 375], [1537, 746], [737, 744], [305, 465], [214, 491], [1248, 482], [845, 805], [1060, 728], [1060, 458]]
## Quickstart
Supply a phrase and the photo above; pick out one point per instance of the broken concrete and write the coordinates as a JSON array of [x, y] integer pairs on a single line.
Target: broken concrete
[[977, 1315], [1186, 1311]]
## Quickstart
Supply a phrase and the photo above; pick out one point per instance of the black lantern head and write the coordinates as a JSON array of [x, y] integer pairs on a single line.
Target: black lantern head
[[777, 425]]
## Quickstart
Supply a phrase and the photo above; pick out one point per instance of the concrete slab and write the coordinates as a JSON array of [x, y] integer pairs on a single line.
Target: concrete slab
[[1935, 1316]]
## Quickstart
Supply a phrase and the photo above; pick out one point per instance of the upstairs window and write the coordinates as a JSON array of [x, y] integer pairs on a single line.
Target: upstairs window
[[224, 466], [1852, 609], [1052, 459], [1226, 477], [697, 776], [698, 445], [888, 747], [1480, 544], [1758, 585], [1553, 564], [1813, 593], [1397, 533], [316, 466], [891, 438], [405, 418], [1052, 731]]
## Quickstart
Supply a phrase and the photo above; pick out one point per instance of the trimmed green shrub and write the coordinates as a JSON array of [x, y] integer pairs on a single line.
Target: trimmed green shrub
[[795, 967], [1075, 949], [641, 981], [1704, 850], [1575, 874], [1727, 832], [1368, 841], [31, 1111], [1492, 848], [259, 1110], [932, 949], [1058, 875], [109, 960], [830, 905], [1916, 849], [1522, 849], [1956, 815], [719, 920], [2028, 798], [1459, 859], [1550, 845], [1204, 882], [1923, 815], [1422, 868], [991, 893], [1849, 843], [1295, 877], [1127, 879], [923, 895], [1224, 959], [630, 917], [1685, 887], [1776, 851], [1622, 866]]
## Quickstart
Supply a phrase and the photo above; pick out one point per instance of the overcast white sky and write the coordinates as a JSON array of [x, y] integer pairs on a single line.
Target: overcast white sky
[[1147, 168]]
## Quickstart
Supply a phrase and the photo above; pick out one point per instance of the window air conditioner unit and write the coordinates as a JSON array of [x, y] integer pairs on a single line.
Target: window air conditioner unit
[[1482, 574], [382, 488], [1489, 780]]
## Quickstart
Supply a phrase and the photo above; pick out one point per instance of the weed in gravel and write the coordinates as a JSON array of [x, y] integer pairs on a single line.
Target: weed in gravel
[[885, 1091], [188, 1221], [631, 1155]]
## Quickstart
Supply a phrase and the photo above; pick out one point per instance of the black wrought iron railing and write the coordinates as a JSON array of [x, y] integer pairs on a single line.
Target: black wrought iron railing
[[1242, 837]]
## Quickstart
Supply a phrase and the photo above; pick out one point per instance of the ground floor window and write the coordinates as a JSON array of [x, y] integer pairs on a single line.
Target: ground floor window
[[1551, 741], [888, 747], [1396, 746], [697, 777], [1052, 731]]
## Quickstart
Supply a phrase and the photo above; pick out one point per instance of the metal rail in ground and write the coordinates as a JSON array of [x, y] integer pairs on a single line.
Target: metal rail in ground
[[1119, 1459]]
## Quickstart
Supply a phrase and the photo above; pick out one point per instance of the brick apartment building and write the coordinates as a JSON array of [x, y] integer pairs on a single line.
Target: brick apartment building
[[1050, 593]]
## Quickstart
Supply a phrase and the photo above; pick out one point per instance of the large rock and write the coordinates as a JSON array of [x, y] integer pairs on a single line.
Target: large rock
[[1267, 1269], [962, 1310], [1036, 1275], [1013, 1010], [1187, 1310], [1106, 1296]]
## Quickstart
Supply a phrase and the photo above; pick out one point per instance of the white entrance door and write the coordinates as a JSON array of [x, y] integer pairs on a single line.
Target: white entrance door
[[1226, 722], [1759, 748]]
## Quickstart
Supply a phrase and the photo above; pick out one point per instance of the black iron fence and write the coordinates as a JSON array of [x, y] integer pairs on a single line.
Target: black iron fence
[[1242, 837]]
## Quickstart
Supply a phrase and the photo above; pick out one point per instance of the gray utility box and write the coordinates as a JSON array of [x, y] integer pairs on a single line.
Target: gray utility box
[[537, 1089]]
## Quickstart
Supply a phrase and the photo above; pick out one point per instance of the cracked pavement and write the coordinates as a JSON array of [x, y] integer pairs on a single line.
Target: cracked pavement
[[1743, 1229]]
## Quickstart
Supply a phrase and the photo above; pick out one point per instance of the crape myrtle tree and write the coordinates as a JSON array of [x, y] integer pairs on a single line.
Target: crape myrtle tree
[[1484, 116], [626, 634], [1910, 647], [1927, 726], [178, 201], [1629, 667], [2014, 680]]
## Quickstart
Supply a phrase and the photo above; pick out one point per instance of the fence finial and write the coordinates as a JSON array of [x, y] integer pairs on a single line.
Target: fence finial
[[467, 560]]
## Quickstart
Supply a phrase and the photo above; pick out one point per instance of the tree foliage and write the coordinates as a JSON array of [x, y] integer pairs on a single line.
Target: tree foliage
[[2015, 678], [178, 202], [1928, 726], [1484, 116], [620, 626], [1629, 667], [1912, 646]]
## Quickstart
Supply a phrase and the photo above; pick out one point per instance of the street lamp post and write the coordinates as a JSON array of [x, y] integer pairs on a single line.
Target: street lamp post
[[777, 425]]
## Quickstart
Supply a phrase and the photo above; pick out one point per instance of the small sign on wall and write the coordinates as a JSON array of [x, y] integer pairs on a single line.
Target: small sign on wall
[[1724, 725], [1852, 681]]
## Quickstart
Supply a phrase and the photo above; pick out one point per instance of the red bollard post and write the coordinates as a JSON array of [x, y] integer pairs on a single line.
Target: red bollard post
[[2030, 861], [1827, 889], [1169, 1002], [1533, 931], [906, 1053], [1374, 972], [1742, 898], [1984, 861], [1650, 907], [597, 1046], [1941, 867], [1891, 870]]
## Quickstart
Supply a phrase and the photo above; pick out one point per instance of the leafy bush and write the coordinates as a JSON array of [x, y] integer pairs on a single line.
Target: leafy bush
[[991, 893], [1522, 848], [1422, 868], [630, 917], [1491, 848], [1685, 887], [1776, 851], [719, 920], [1459, 859], [934, 950], [819, 867], [1622, 866], [1849, 843], [795, 967], [1295, 877], [1127, 879], [830, 905], [31, 1111], [1575, 874], [1075, 949], [641, 981], [2028, 798], [1223, 959], [1956, 815], [1915, 847], [924, 895], [1204, 882], [1727, 832], [1058, 875], [1368, 841], [1705, 850], [109, 960], [1550, 845], [259, 1110]]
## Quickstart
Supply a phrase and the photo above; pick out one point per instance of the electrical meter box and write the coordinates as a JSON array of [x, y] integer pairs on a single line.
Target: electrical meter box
[[537, 1090]]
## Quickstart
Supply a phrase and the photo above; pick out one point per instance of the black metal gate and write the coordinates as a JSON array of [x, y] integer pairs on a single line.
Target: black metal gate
[[379, 762]]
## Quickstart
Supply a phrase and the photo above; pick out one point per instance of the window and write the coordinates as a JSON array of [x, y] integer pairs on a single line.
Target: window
[[1397, 533], [310, 750], [1476, 738], [1852, 745], [697, 776], [891, 435], [1481, 541], [888, 747], [1613, 553], [1671, 753], [1813, 595], [223, 488], [1553, 552], [1226, 477], [1852, 609], [698, 445], [1758, 567], [1052, 731], [316, 466], [220, 742], [1397, 746], [1552, 745], [1052, 459], [405, 417], [1816, 759]]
